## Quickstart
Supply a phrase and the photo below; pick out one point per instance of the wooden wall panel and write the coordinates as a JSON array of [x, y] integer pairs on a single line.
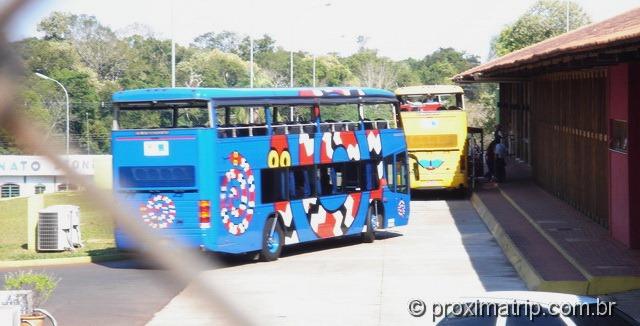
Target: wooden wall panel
[[569, 139], [558, 123]]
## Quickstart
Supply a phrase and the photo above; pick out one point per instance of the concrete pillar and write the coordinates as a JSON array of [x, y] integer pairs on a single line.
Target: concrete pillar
[[34, 204]]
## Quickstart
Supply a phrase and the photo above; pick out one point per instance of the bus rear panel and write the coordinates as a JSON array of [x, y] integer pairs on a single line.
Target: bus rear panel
[[437, 145]]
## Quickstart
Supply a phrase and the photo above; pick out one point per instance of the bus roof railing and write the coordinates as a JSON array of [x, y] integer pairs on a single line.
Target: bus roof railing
[[151, 95], [429, 90]]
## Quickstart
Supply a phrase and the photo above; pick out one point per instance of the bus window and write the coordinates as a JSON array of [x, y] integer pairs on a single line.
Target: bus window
[[275, 184], [339, 117], [379, 116], [240, 121], [327, 176], [192, 118], [388, 171], [402, 182], [352, 177], [301, 183], [369, 175], [451, 101], [165, 116], [293, 120]]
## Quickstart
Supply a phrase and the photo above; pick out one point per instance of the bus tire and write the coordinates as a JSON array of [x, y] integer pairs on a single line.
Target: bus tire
[[272, 245], [369, 235]]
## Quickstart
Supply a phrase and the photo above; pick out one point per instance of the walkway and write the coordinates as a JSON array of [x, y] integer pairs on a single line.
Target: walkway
[[552, 245]]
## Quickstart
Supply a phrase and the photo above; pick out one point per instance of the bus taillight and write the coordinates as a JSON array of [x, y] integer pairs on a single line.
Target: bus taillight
[[204, 213]]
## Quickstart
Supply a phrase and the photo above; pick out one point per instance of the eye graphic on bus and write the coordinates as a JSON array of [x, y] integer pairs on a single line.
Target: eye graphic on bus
[[278, 160], [279, 155], [273, 159]]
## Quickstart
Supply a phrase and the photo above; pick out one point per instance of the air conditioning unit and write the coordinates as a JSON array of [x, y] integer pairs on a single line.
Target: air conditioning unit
[[59, 228]]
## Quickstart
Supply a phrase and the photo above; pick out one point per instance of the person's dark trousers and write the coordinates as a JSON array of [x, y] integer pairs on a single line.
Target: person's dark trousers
[[490, 167], [500, 169]]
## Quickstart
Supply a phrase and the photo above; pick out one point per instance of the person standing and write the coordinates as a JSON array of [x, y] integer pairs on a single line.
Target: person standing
[[500, 161], [490, 158]]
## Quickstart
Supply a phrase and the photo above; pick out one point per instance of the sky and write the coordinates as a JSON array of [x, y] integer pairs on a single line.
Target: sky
[[398, 29]]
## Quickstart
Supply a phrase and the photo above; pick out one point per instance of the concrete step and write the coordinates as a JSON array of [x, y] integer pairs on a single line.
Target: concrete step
[[609, 266]]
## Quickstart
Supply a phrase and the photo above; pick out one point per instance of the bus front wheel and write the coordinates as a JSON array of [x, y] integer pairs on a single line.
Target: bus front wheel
[[272, 240], [372, 223]]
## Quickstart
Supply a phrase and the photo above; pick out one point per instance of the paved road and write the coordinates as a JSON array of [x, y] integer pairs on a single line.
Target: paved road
[[446, 251], [110, 293]]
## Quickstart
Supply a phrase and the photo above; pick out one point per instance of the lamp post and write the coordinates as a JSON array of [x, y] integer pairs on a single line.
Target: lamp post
[[66, 94]]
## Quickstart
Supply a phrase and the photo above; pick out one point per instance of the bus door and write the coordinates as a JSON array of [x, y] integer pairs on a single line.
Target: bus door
[[396, 194]]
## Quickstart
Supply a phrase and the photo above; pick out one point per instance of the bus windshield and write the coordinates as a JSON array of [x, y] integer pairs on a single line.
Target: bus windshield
[[427, 102], [163, 116]]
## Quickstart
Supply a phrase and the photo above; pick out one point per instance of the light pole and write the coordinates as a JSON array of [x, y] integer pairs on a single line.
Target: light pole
[[314, 70], [173, 51], [251, 61], [291, 69], [66, 94]]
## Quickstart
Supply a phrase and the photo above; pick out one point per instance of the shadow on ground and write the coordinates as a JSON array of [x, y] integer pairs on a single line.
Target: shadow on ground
[[138, 261], [492, 267]]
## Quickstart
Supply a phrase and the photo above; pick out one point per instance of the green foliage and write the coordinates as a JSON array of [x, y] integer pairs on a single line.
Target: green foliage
[[56, 27], [93, 62], [439, 66], [372, 70], [41, 284], [224, 41], [545, 19], [213, 69]]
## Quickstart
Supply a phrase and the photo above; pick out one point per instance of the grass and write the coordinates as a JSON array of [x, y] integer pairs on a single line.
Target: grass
[[97, 230]]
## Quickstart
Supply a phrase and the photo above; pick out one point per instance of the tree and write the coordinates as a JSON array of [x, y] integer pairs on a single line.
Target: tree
[[372, 70], [224, 41], [149, 62], [213, 69], [545, 19], [262, 45], [96, 44]]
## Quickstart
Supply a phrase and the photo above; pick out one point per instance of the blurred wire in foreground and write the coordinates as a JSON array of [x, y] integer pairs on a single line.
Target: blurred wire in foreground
[[183, 264]]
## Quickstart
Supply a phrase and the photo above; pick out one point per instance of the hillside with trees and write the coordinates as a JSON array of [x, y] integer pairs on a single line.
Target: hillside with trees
[[93, 61]]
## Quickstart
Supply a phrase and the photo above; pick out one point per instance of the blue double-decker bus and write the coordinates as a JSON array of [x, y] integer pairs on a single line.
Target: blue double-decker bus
[[245, 170]]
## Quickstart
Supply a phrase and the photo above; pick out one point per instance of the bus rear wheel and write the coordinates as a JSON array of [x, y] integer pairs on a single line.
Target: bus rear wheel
[[272, 240], [372, 222]]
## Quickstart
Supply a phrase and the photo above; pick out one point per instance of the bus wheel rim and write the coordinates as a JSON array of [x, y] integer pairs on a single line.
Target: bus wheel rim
[[273, 243]]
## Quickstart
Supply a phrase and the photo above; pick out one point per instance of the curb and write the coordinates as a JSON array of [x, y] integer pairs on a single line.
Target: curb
[[529, 275], [60, 261], [597, 284]]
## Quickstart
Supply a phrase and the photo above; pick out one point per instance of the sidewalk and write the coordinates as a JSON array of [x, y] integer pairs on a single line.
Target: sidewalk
[[552, 245]]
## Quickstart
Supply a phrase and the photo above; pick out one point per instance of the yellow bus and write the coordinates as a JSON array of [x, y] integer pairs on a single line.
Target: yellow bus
[[435, 125]]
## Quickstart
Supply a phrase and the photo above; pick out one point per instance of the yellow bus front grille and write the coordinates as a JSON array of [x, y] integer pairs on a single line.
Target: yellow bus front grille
[[432, 141]]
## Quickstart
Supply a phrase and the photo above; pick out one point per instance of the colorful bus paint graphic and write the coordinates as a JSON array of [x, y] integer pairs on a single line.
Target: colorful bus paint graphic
[[159, 212], [237, 195]]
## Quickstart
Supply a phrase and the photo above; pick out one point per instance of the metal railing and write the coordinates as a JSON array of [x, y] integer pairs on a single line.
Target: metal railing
[[301, 128]]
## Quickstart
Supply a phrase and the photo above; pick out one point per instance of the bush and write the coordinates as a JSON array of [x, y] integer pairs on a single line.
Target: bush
[[41, 284]]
